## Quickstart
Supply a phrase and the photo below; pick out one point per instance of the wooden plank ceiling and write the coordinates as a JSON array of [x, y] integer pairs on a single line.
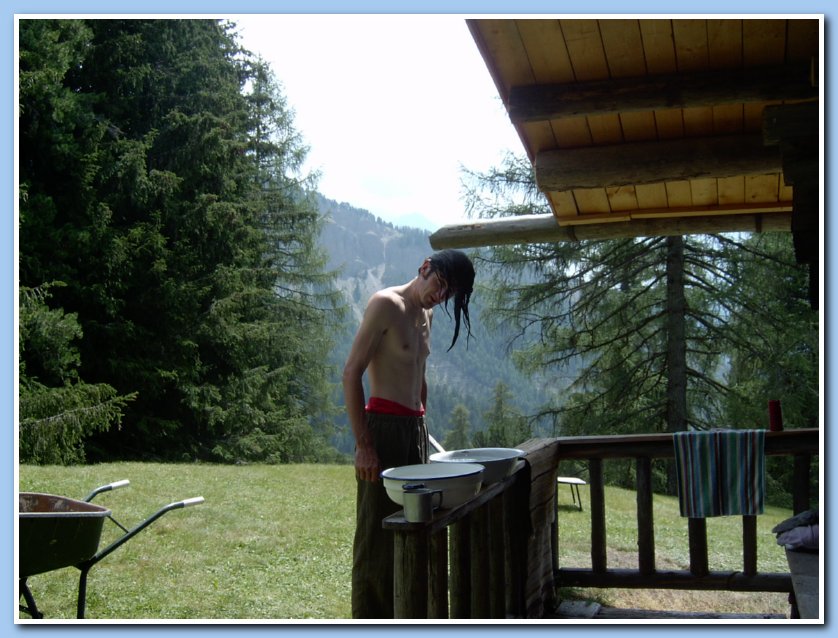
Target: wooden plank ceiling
[[649, 125]]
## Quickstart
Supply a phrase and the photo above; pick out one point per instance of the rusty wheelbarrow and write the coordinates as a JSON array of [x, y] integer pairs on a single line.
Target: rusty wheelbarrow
[[56, 532]]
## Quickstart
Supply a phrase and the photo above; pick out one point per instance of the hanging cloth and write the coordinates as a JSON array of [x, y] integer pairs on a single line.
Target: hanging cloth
[[720, 472]]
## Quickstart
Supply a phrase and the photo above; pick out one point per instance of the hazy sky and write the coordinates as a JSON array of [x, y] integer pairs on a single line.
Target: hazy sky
[[390, 105]]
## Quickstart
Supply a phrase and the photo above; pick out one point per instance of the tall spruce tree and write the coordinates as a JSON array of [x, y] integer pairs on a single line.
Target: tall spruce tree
[[180, 231], [506, 426], [458, 437], [57, 409]]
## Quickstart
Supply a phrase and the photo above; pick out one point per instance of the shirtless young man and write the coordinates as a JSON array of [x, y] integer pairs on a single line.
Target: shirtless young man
[[392, 345]]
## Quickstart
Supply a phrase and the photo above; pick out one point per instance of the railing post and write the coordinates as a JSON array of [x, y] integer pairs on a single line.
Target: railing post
[[645, 517], [410, 574], [515, 552], [698, 546], [800, 483], [438, 577], [480, 564], [749, 545], [599, 554], [497, 576], [460, 557]]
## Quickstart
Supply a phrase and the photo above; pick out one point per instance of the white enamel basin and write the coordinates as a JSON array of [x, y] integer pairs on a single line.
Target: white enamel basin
[[498, 461], [458, 482]]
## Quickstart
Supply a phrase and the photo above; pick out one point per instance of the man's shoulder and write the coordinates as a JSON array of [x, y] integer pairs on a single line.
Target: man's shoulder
[[385, 302], [387, 297]]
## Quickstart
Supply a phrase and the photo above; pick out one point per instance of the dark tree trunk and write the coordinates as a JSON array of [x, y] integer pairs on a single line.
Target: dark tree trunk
[[676, 347]]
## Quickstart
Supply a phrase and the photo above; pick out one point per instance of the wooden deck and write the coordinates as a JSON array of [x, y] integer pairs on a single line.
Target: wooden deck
[[577, 609]]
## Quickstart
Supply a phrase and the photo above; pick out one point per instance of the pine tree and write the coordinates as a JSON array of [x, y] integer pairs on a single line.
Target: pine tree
[[170, 204], [507, 427], [458, 437], [57, 409], [646, 327]]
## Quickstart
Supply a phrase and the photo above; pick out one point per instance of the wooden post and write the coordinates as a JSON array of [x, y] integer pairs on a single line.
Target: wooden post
[[438, 577], [800, 483], [554, 533], [599, 553], [698, 546], [542, 467], [645, 517], [460, 553], [497, 575], [515, 553], [410, 572], [480, 563], [749, 545]]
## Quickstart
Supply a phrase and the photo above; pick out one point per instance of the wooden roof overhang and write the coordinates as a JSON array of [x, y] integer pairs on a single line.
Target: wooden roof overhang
[[639, 127]]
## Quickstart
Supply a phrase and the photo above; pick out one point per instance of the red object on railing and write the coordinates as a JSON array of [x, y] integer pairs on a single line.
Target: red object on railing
[[775, 416]]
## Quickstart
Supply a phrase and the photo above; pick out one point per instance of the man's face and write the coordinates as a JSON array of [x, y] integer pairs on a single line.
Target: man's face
[[436, 287]]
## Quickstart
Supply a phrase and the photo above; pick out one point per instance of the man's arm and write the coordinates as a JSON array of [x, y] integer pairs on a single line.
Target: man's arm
[[424, 378], [367, 341]]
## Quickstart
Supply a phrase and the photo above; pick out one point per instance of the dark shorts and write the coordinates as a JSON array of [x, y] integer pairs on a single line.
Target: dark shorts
[[398, 440]]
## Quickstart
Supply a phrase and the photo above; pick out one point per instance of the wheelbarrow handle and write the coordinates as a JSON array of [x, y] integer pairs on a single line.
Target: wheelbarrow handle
[[196, 500], [137, 529], [129, 534], [106, 488]]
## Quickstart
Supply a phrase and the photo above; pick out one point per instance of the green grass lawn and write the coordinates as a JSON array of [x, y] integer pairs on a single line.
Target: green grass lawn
[[269, 542], [275, 542]]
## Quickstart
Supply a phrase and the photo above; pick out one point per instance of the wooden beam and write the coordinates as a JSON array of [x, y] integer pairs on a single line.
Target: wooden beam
[[655, 162], [524, 229], [538, 102], [544, 229], [784, 122], [802, 441]]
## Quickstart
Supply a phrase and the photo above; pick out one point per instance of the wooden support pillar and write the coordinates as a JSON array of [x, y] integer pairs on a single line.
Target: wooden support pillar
[[410, 590], [795, 129]]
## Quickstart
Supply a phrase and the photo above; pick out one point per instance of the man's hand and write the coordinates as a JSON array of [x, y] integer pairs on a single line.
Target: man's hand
[[367, 465]]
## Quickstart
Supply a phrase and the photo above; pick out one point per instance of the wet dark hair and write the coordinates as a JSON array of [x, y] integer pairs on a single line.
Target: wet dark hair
[[458, 272]]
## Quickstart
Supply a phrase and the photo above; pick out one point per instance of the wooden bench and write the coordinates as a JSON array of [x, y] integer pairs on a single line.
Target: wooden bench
[[805, 572], [574, 488]]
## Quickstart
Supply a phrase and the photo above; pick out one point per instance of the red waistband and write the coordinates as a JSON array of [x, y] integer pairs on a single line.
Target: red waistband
[[385, 406]]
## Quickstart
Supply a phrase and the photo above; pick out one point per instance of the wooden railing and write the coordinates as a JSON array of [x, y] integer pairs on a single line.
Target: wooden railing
[[488, 558], [801, 444], [496, 556], [463, 552]]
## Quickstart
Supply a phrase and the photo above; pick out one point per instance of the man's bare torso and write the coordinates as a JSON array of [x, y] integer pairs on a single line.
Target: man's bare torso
[[397, 368]]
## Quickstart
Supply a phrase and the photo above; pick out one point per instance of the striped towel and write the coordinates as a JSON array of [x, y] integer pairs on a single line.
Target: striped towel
[[720, 472]]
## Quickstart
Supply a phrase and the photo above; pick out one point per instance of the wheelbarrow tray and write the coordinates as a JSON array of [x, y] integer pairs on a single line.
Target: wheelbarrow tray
[[56, 532]]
